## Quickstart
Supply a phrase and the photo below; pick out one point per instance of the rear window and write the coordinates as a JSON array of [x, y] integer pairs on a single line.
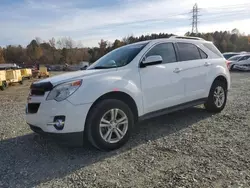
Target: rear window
[[212, 48]]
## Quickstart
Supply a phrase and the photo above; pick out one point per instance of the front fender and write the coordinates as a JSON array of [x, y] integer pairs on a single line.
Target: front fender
[[95, 87]]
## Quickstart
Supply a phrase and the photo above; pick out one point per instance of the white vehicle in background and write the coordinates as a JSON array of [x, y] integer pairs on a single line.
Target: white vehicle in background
[[131, 83], [243, 65], [239, 62]]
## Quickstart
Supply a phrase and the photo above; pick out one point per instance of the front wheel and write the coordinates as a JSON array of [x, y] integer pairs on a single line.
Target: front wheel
[[217, 97], [109, 124]]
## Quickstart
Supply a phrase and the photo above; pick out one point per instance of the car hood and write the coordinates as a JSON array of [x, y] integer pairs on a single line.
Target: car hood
[[73, 75]]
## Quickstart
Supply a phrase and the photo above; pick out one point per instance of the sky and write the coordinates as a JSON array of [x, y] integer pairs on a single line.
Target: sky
[[89, 21]]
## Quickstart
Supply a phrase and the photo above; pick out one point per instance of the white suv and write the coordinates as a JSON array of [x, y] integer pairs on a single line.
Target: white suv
[[134, 82]]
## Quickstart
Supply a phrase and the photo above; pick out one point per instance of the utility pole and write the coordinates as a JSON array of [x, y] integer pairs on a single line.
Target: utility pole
[[195, 19]]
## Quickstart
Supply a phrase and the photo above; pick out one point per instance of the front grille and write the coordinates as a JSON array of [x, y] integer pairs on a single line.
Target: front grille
[[33, 108]]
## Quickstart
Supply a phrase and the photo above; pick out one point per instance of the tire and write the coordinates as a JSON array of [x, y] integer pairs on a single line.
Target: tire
[[4, 85], [232, 68], [102, 110], [21, 82], [212, 104]]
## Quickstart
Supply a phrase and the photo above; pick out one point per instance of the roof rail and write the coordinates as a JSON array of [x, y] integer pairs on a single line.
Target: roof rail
[[185, 37]]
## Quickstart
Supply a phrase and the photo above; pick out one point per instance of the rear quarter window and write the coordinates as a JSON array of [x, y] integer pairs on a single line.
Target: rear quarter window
[[212, 48]]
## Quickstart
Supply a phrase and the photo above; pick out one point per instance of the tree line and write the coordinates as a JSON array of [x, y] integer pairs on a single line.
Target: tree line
[[66, 50]]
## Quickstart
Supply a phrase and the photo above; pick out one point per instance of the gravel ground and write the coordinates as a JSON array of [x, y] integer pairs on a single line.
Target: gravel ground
[[190, 148]]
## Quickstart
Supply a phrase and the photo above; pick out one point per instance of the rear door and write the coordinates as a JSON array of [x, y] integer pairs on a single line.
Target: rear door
[[194, 67]]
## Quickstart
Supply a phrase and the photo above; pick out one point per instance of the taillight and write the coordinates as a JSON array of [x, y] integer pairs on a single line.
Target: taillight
[[228, 64]]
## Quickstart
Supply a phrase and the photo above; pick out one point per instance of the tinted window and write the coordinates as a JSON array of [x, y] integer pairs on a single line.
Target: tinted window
[[203, 54], [188, 52], [165, 50]]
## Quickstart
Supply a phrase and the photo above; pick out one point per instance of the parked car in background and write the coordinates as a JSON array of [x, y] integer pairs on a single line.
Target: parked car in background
[[131, 83], [228, 55], [238, 60], [243, 65]]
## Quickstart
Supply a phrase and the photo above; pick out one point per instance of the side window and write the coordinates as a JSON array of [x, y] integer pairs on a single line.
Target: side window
[[188, 52], [203, 54], [241, 59], [244, 58], [165, 50]]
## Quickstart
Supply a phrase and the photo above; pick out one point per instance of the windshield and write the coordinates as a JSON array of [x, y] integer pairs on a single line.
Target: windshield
[[235, 58], [119, 57]]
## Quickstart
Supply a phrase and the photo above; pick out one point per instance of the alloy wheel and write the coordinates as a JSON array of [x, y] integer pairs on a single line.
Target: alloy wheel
[[113, 125]]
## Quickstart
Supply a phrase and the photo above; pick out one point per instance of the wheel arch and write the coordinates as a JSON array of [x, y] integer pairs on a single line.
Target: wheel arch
[[222, 79], [119, 95]]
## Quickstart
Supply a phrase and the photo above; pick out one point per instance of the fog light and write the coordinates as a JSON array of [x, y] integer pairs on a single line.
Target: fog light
[[59, 122]]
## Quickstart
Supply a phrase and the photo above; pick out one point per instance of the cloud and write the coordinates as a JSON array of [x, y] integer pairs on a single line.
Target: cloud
[[90, 21]]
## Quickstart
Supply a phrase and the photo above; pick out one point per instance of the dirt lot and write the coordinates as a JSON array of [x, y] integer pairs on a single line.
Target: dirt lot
[[190, 148]]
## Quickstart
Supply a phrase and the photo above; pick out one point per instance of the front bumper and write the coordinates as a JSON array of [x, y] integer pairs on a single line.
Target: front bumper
[[70, 139], [75, 115]]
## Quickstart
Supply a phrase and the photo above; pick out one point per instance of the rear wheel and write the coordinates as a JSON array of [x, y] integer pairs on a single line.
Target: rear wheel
[[109, 124], [217, 97], [4, 85]]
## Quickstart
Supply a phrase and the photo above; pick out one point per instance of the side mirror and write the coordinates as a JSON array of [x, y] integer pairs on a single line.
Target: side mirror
[[151, 60]]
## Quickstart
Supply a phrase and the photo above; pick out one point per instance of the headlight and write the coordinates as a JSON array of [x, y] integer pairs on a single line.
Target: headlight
[[63, 91]]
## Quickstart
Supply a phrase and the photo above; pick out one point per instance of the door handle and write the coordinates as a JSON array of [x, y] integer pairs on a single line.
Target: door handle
[[207, 64], [177, 70]]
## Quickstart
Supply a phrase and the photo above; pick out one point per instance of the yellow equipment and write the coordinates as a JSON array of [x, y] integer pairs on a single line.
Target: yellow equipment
[[43, 72], [3, 81], [14, 76], [26, 73]]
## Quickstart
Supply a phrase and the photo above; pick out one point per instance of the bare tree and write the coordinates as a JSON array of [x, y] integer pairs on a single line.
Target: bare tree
[[79, 44], [69, 42], [52, 42], [65, 42]]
